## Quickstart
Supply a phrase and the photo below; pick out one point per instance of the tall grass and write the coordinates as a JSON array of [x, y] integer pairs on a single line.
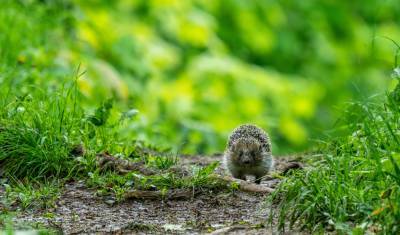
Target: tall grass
[[354, 185], [38, 132]]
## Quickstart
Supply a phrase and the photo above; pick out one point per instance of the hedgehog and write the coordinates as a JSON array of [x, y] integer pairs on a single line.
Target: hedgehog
[[248, 152]]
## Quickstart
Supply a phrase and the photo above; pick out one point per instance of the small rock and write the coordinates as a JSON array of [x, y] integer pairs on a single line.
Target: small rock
[[110, 201]]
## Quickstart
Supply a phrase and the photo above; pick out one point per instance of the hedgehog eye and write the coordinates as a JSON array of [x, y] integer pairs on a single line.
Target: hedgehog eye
[[240, 153]]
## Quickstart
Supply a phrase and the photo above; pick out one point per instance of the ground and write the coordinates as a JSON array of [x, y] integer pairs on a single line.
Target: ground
[[79, 210]]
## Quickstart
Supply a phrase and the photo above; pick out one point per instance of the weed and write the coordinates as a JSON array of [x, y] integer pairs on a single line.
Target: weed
[[163, 162], [33, 194]]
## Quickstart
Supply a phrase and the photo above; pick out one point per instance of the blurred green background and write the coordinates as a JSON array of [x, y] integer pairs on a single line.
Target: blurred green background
[[195, 69]]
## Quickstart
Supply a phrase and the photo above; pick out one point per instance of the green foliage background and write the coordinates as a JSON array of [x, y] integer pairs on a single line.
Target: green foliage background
[[195, 69]]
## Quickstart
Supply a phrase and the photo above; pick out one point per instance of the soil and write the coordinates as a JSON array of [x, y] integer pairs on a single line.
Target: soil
[[79, 211]]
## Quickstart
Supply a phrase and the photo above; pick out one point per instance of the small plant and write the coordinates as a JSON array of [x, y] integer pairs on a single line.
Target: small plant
[[163, 162], [33, 194], [203, 176], [102, 113]]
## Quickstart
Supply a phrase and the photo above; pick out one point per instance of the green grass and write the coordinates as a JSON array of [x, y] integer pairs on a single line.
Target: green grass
[[38, 133], [199, 179], [32, 194], [353, 183]]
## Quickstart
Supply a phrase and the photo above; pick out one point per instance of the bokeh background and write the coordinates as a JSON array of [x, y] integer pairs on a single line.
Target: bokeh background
[[195, 69]]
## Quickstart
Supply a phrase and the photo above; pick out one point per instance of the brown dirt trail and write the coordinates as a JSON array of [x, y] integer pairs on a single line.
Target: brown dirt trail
[[80, 211]]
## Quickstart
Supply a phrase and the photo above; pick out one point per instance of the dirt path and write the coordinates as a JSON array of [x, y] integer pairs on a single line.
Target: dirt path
[[79, 210]]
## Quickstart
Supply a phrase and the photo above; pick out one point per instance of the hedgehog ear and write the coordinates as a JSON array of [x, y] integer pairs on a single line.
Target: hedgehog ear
[[233, 146]]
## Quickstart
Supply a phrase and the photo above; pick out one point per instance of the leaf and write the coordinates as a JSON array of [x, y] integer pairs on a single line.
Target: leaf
[[396, 169], [357, 231], [386, 193], [102, 113], [235, 186], [128, 114], [208, 169], [378, 211]]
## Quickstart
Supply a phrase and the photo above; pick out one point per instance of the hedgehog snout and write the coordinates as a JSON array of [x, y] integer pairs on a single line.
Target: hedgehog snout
[[246, 159]]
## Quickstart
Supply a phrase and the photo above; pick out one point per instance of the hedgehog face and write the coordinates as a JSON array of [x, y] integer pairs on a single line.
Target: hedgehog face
[[246, 152]]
